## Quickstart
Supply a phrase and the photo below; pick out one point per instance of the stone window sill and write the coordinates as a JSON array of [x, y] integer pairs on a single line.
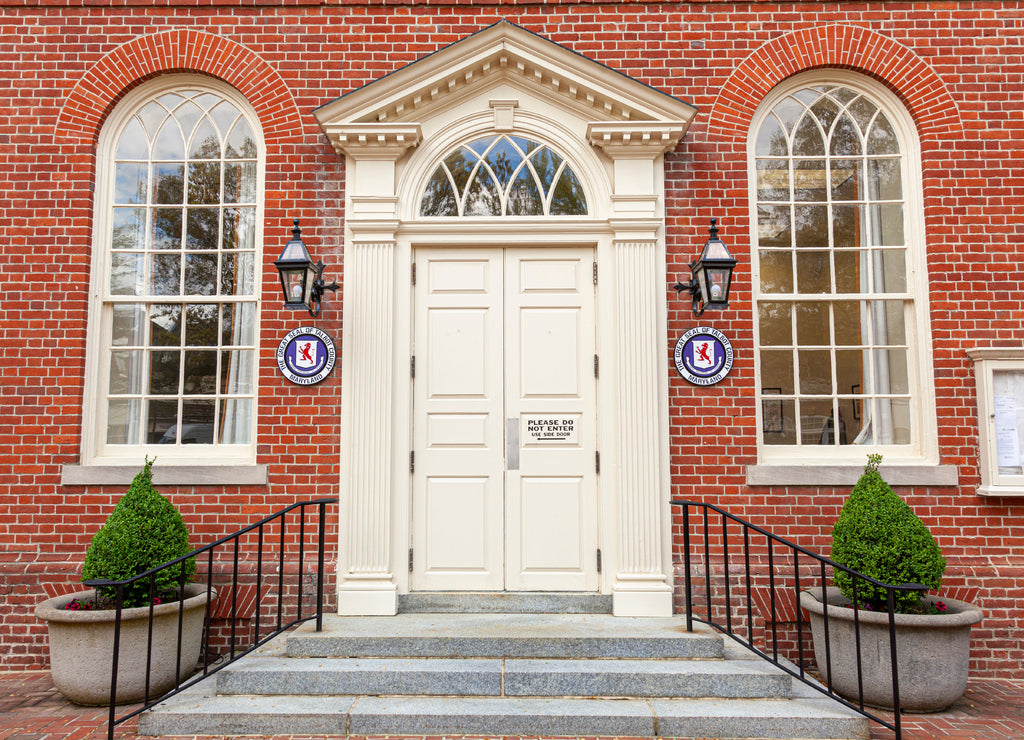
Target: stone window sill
[[168, 475], [847, 475]]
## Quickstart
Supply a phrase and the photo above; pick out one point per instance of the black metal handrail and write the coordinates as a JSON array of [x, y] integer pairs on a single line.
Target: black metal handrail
[[725, 601], [280, 623]]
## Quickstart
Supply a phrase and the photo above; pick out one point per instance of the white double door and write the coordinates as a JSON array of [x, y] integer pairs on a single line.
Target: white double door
[[505, 420]]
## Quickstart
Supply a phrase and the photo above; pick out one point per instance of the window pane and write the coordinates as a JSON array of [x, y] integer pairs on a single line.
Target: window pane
[[127, 325], [812, 324], [524, 198], [165, 330], [238, 325], [850, 323], [776, 272], [197, 422], [162, 422], [239, 228], [815, 372], [772, 179], [129, 229], [771, 139], [779, 421], [240, 182], [811, 226], [887, 319], [439, 198], [124, 421], [846, 178], [848, 272], [164, 366], [200, 371], [891, 271], [884, 179], [202, 228], [777, 370], [887, 226], [773, 226], [126, 273], [166, 228], [809, 183], [200, 274], [812, 272], [165, 278], [204, 182], [568, 198], [201, 325], [847, 226], [168, 183], [126, 372], [236, 421], [775, 323], [236, 371], [130, 180], [816, 427]]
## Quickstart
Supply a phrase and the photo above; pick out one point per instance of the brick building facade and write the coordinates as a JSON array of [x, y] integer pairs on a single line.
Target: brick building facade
[[684, 111]]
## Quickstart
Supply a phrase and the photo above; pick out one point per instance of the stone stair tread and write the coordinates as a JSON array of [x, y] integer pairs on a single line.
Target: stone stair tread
[[260, 674], [201, 713], [504, 635]]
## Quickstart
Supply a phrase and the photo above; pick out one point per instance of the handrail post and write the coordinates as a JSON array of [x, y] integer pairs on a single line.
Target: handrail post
[[686, 568], [892, 659], [113, 669], [320, 569]]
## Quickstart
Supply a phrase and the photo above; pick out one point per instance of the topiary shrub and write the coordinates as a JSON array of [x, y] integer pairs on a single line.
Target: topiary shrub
[[144, 530], [878, 535]]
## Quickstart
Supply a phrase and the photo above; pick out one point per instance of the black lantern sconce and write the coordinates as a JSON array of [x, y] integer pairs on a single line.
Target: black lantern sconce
[[711, 275], [301, 280]]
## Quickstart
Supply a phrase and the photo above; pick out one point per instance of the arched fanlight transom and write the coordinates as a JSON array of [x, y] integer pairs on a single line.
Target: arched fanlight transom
[[503, 176]]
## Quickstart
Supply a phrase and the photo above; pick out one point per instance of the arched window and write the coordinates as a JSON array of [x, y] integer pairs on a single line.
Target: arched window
[[178, 213], [835, 201], [503, 176]]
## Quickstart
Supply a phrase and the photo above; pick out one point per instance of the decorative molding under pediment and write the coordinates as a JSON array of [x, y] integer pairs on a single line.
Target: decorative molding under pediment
[[618, 139], [376, 140], [504, 52]]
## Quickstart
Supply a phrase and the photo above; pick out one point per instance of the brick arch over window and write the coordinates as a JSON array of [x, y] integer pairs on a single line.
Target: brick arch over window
[[179, 51], [849, 47]]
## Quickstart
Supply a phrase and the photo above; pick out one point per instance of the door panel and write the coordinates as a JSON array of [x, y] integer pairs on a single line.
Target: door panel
[[458, 479], [551, 499], [506, 338]]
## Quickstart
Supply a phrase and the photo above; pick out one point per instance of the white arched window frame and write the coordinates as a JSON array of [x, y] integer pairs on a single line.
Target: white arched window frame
[[173, 329], [842, 343]]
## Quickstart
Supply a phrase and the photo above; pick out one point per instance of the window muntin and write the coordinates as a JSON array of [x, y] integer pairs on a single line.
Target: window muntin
[[179, 308], [503, 176], [835, 315]]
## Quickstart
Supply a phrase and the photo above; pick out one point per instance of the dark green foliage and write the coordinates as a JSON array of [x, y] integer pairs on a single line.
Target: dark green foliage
[[144, 530], [878, 535]]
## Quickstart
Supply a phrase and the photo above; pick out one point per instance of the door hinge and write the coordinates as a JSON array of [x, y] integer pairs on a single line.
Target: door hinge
[[412, 367], [597, 365], [413, 273], [595, 272], [410, 561], [412, 462], [598, 559], [597, 462]]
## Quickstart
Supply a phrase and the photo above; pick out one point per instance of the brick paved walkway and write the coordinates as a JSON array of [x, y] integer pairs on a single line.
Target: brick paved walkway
[[32, 709]]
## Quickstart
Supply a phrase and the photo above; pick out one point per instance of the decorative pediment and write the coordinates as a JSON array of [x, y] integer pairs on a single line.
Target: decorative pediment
[[503, 53]]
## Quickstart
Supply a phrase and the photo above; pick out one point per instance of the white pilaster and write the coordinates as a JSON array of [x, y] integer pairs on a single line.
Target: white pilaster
[[643, 579], [367, 582]]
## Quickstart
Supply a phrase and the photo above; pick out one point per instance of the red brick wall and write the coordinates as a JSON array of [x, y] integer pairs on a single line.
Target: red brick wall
[[958, 67]]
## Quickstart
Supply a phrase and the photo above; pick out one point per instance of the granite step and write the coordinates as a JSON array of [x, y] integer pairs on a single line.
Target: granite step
[[192, 713], [504, 602], [270, 675], [412, 635]]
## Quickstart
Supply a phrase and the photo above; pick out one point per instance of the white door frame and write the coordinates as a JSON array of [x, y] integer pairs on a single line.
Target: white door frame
[[615, 131]]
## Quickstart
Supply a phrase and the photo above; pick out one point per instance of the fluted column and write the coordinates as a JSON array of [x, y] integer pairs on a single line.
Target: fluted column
[[641, 585], [367, 573], [365, 582]]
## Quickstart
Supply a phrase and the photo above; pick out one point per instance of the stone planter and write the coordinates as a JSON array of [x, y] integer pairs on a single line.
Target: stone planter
[[81, 643], [932, 652]]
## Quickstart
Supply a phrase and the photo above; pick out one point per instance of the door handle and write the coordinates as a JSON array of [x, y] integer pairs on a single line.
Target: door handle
[[512, 444]]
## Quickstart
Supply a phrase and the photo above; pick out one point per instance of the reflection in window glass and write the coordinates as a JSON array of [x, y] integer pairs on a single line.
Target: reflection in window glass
[[182, 266], [836, 362], [503, 176]]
